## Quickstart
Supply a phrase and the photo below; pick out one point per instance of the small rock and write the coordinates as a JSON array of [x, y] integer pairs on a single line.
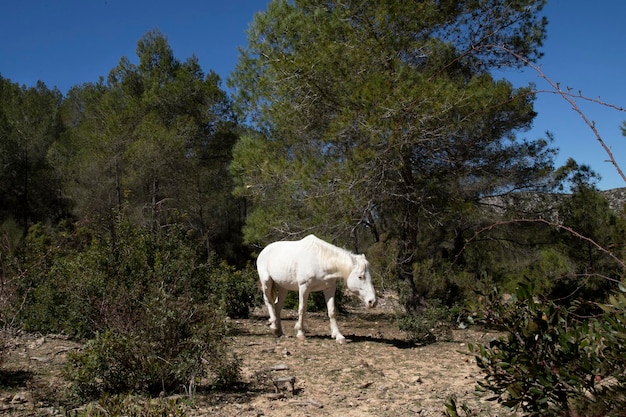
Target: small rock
[[309, 402], [287, 384], [276, 396], [280, 367], [37, 343], [315, 403], [19, 398], [63, 349]]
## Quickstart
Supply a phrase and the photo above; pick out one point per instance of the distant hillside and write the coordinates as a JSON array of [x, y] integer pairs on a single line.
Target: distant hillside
[[616, 198], [546, 205]]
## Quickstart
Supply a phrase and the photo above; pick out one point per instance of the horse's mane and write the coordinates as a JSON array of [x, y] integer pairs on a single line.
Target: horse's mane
[[334, 256]]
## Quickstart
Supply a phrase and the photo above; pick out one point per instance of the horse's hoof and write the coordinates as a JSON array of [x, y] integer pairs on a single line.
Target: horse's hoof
[[300, 336], [341, 340]]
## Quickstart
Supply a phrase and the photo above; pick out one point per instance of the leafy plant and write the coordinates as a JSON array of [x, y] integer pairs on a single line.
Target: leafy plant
[[144, 298], [551, 362], [234, 291], [432, 323], [175, 344]]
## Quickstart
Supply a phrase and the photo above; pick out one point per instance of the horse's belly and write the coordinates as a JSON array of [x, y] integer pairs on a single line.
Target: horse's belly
[[292, 281]]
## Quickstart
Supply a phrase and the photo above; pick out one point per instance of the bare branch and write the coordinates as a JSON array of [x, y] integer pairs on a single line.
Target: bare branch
[[571, 99]]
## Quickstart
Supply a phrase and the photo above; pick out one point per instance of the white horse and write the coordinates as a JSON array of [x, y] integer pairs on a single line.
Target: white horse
[[309, 265]]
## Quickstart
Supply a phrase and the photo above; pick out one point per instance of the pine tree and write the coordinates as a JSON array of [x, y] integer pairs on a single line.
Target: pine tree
[[383, 119]]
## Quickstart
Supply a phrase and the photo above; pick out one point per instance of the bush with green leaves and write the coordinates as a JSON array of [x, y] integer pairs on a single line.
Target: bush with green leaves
[[431, 324], [552, 362], [173, 345], [49, 275], [103, 283], [233, 290], [145, 298]]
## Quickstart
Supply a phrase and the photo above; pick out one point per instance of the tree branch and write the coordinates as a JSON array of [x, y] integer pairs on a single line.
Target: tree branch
[[571, 99]]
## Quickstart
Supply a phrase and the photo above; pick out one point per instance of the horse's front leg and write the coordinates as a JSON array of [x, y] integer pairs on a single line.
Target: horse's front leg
[[329, 295], [303, 296]]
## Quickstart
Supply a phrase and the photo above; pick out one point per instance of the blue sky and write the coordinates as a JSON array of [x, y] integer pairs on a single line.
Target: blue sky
[[585, 50], [67, 42]]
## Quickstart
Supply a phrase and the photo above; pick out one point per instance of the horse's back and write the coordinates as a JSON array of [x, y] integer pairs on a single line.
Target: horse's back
[[283, 260], [278, 262]]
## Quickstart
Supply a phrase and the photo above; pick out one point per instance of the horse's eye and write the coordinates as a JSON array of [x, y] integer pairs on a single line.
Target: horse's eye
[[361, 277]]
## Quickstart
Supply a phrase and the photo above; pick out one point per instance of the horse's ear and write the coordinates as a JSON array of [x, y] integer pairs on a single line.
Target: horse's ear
[[362, 261]]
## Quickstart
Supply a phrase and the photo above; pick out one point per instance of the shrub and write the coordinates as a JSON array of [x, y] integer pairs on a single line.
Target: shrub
[[169, 350], [144, 299], [434, 322], [103, 284], [234, 291], [552, 362]]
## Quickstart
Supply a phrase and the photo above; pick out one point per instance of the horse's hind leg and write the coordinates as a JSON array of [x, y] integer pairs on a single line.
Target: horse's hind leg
[[269, 296], [281, 294]]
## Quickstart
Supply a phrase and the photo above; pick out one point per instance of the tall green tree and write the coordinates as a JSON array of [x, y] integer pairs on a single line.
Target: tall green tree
[[382, 119], [587, 212], [29, 124], [153, 139]]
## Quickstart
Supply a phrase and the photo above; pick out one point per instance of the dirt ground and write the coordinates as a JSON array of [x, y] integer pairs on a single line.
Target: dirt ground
[[375, 374]]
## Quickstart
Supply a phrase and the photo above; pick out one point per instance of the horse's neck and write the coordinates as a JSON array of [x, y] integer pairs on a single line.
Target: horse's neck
[[339, 259], [345, 264]]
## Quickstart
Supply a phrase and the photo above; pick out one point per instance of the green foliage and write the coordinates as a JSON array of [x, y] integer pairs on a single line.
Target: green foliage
[[314, 303], [155, 140], [453, 411], [105, 285], [587, 213], [29, 124], [232, 290], [552, 362], [433, 323], [82, 290], [169, 349], [547, 269], [382, 116], [156, 312]]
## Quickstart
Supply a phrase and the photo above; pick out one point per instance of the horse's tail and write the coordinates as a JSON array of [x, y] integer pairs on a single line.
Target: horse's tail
[[268, 285]]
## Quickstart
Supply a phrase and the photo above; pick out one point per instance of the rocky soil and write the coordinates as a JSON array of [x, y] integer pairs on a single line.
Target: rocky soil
[[375, 374]]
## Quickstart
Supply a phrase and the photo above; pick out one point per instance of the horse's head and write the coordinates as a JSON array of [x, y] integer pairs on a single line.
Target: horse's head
[[360, 282]]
